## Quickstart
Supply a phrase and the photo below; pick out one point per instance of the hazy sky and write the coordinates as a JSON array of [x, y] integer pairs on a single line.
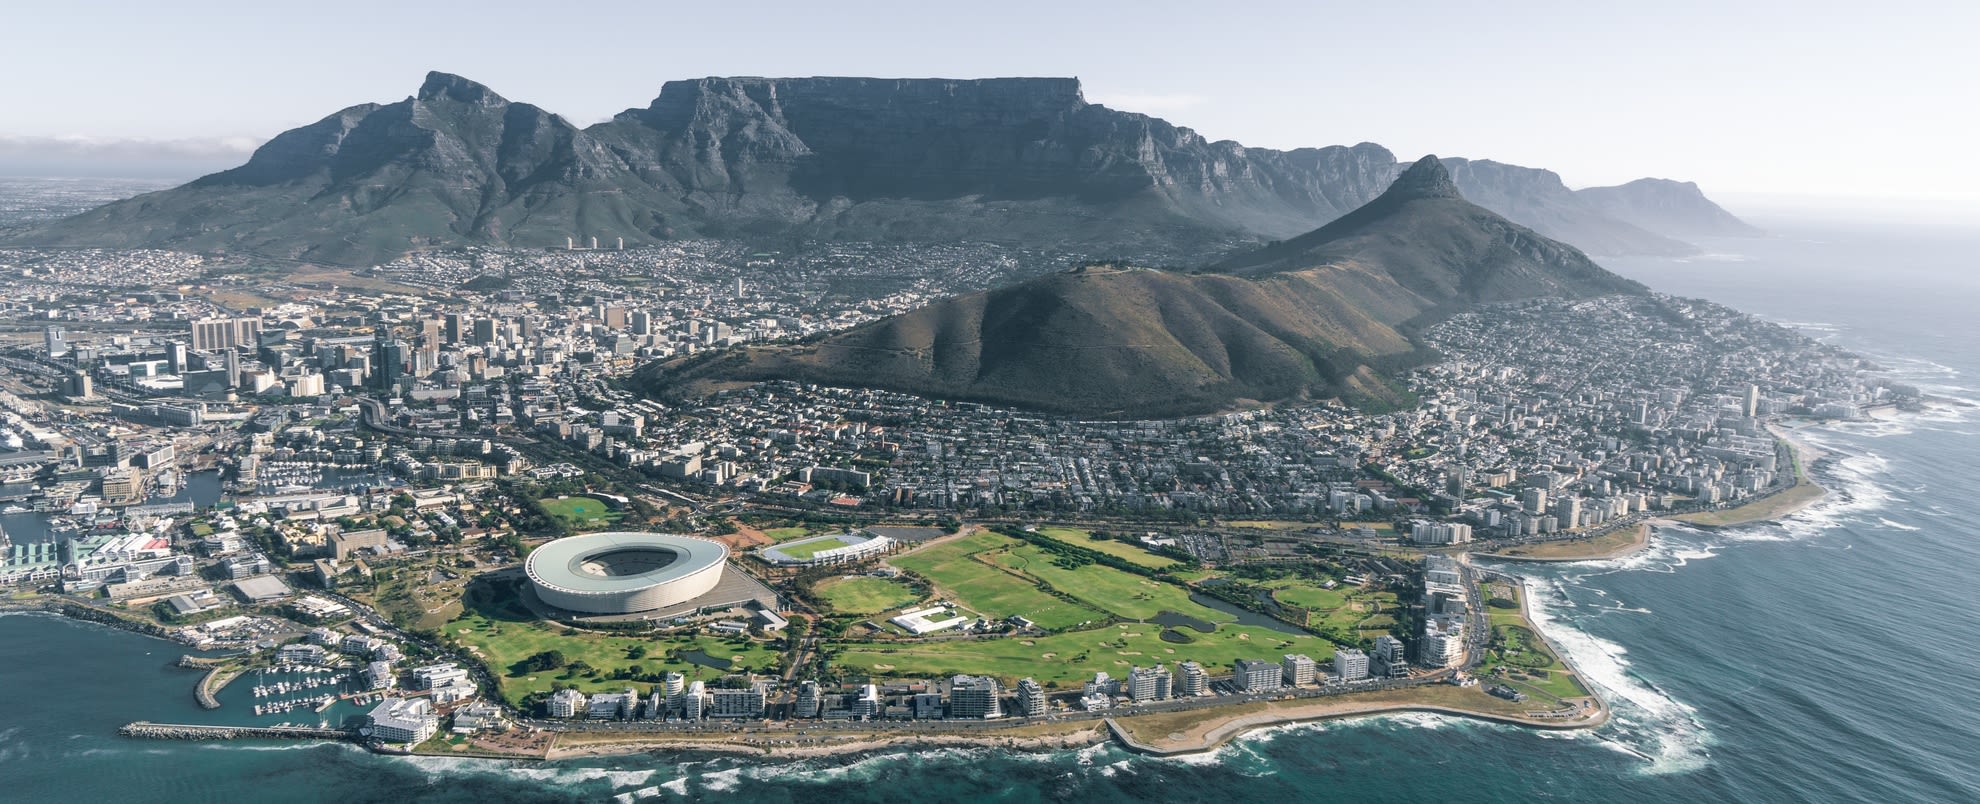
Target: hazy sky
[[1838, 99]]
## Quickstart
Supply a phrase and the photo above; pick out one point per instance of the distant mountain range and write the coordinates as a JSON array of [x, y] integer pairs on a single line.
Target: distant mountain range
[[1324, 314], [1016, 160]]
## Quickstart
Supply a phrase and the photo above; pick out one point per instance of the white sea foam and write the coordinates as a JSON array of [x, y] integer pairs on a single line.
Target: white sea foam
[[618, 779], [637, 795], [677, 786], [1647, 722], [436, 767], [722, 780]]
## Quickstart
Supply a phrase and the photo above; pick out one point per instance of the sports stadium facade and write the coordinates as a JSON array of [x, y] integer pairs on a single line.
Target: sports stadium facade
[[623, 572]]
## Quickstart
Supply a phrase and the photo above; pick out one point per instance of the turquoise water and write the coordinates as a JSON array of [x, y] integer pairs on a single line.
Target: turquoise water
[[1828, 657]]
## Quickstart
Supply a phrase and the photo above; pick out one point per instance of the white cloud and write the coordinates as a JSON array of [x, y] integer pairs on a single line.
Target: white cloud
[[127, 148]]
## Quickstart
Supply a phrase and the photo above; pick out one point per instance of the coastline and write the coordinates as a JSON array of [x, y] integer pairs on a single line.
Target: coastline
[[1154, 734], [1804, 493], [1580, 549]]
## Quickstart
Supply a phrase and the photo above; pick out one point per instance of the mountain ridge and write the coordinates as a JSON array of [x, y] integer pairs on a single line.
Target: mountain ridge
[[1319, 315], [1019, 160]]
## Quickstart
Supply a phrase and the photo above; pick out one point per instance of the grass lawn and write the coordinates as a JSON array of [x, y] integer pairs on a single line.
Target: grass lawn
[[1521, 652], [786, 534], [1307, 594], [804, 552], [1125, 594], [581, 512], [504, 633], [1065, 660], [865, 594], [959, 568], [1121, 550]]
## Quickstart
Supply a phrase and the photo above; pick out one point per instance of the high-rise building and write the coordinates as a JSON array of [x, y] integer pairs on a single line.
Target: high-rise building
[[675, 687], [1533, 500], [390, 364], [694, 704], [1752, 401], [175, 356], [807, 699], [974, 698], [1299, 670], [1030, 698], [1389, 659], [640, 322], [1258, 675], [453, 327], [567, 703], [614, 315], [1350, 664], [1568, 511], [52, 338], [484, 331], [736, 703], [215, 334], [1150, 684], [1442, 644], [1194, 680]]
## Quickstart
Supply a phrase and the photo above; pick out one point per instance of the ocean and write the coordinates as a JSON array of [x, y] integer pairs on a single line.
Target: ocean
[[1822, 658]]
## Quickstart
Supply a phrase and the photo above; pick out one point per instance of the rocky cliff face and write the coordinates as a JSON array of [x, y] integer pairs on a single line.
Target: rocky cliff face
[[1539, 200], [1672, 208], [1026, 157], [455, 163], [1019, 160]]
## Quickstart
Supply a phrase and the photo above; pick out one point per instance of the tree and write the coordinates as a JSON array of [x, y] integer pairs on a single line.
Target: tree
[[545, 660]]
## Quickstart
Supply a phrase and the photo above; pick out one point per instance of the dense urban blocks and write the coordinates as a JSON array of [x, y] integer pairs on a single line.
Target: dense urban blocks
[[622, 572]]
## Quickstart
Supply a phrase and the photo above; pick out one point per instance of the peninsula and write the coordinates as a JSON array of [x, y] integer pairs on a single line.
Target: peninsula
[[829, 466]]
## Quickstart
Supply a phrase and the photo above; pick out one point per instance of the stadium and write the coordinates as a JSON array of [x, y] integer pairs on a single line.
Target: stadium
[[624, 572], [841, 548]]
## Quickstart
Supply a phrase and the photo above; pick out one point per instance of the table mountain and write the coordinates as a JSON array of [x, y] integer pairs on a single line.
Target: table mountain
[[1019, 160], [1322, 314]]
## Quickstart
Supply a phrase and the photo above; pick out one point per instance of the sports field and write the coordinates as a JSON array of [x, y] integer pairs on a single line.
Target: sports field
[[786, 534], [1121, 550], [805, 550], [1065, 660], [964, 570], [581, 512], [865, 594], [1123, 593]]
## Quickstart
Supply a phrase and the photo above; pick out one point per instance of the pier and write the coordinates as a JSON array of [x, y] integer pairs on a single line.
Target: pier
[[184, 731]]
